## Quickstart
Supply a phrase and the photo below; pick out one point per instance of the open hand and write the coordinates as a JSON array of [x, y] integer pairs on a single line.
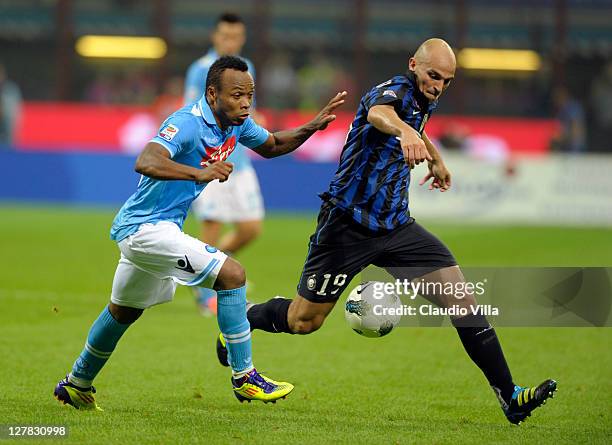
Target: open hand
[[440, 175], [326, 115]]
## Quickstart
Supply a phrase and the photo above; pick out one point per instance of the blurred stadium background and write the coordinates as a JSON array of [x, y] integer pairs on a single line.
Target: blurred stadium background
[[543, 92], [526, 129]]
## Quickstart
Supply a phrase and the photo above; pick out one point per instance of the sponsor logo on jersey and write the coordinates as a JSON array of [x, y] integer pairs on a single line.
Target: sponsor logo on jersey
[[219, 153], [168, 132]]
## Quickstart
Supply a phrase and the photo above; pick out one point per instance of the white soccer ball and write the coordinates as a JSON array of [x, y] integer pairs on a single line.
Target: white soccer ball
[[371, 312]]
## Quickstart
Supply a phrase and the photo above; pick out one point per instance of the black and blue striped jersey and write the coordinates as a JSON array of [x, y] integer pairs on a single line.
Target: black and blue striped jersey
[[372, 178]]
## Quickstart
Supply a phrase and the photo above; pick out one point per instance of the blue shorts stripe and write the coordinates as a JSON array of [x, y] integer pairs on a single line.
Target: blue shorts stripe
[[207, 270]]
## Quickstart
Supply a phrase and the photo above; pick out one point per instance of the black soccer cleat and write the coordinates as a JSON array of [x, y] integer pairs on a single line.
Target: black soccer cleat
[[525, 400], [222, 350]]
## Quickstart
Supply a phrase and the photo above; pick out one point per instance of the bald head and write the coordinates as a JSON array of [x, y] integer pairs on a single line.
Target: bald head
[[436, 50], [434, 67]]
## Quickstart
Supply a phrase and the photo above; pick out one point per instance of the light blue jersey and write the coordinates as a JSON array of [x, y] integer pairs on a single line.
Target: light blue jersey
[[192, 137], [195, 87]]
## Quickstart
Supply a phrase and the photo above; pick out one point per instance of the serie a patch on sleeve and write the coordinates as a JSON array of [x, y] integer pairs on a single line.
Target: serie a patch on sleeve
[[168, 132], [390, 93]]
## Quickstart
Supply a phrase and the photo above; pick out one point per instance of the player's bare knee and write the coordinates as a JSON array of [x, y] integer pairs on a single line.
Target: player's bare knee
[[466, 300], [231, 276], [124, 314]]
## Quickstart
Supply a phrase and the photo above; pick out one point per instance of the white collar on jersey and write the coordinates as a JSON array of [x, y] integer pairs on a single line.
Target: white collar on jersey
[[204, 110]]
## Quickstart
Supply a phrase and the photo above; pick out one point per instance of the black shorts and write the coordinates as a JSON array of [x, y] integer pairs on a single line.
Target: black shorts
[[340, 248]]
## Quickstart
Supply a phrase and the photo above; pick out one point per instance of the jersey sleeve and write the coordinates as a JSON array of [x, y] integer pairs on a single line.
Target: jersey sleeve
[[387, 93], [178, 134], [252, 135], [195, 83]]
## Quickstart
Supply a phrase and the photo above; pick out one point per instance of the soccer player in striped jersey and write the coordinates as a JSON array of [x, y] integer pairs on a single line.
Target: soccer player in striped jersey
[[364, 219]]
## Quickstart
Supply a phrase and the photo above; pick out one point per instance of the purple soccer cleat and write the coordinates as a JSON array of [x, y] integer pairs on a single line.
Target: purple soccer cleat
[[80, 398]]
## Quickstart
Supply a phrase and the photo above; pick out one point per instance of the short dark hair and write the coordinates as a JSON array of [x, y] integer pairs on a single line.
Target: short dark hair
[[222, 64], [229, 17]]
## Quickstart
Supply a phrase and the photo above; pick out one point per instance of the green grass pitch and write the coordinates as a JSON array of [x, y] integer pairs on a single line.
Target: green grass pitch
[[163, 384]]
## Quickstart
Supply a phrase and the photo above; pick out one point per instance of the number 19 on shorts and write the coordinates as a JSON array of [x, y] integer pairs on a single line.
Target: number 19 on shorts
[[333, 287]]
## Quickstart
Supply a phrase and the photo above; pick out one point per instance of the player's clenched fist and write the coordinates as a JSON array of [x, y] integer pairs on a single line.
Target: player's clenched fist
[[216, 170], [413, 148]]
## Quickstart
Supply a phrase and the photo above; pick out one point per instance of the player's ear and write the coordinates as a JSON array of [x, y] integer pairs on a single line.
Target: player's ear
[[411, 64], [211, 94]]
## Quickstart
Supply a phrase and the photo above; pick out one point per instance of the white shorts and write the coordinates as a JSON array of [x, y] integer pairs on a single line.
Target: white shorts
[[235, 200], [156, 258]]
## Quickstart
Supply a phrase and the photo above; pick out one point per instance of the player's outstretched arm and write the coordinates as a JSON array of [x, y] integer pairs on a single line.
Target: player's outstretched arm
[[385, 119], [154, 161], [283, 142]]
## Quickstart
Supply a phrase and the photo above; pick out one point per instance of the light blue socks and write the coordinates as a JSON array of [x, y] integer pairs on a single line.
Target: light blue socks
[[101, 341], [233, 323]]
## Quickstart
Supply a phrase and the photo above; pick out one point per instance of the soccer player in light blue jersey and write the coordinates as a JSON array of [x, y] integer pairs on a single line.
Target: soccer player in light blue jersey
[[238, 200], [190, 151]]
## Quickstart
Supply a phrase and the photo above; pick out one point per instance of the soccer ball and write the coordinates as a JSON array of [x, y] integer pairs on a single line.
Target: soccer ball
[[370, 312]]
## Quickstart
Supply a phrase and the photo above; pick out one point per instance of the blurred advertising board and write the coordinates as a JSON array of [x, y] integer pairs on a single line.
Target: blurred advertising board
[[106, 128], [553, 190]]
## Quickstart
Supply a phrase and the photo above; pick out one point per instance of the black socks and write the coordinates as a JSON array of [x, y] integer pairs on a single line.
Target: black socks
[[270, 316], [480, 342]]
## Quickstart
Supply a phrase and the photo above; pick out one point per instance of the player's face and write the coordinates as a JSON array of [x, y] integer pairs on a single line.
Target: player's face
[[228, 38], [433, 76], [232, 103]]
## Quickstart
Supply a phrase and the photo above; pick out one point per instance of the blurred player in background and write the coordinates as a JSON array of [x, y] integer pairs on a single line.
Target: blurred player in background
[[571, 116], [364, 219], [238, 200], [189, 152], [10, 109]]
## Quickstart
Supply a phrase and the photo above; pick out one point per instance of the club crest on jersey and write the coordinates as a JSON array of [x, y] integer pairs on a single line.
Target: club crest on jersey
[[220, 153], [168, 132], [311, 282]]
